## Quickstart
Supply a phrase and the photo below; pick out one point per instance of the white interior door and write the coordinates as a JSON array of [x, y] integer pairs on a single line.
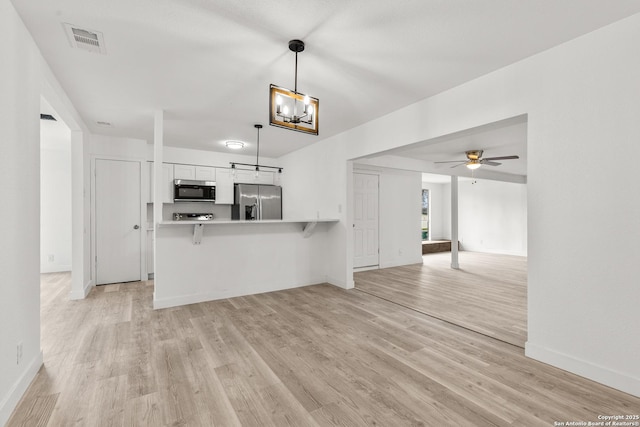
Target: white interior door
[[117, 213], [365, 225]]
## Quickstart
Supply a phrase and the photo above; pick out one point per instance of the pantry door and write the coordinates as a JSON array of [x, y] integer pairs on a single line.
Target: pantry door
[[118, 228]]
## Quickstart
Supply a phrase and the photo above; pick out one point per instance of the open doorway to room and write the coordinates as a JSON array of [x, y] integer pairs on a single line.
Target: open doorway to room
[[55, 193], [488, 293], [424, 221], [55, 208], [434, 220]]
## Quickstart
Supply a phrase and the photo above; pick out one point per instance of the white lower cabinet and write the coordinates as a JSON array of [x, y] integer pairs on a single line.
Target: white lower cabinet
[[224, 186]]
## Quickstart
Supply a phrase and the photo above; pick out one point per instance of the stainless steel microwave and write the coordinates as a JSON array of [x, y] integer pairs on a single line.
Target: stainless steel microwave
[[186, 190]]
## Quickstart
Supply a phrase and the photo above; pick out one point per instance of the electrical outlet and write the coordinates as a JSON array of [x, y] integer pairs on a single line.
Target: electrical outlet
[[51, 257], [19, 353]]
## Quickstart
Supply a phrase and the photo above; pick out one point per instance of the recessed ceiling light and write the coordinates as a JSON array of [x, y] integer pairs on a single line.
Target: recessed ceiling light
[[234, 145]]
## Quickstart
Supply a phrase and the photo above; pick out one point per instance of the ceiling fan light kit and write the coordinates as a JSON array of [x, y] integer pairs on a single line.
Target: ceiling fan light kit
[[474, 160], [291, 109], [473, 164]]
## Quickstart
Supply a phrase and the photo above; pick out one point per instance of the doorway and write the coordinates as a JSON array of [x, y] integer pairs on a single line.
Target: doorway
[[424, 221], [55, 192], [366, 251]]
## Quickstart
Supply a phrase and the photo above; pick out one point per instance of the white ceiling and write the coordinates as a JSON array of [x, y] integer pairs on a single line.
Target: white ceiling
[[209, 64], [505, 138]]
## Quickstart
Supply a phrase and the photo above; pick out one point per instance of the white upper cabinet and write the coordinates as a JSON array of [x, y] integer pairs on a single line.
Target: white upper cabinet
[[184, 172], [249, 177], [205, 173], [167, 183], [200, 173], [224, 187]]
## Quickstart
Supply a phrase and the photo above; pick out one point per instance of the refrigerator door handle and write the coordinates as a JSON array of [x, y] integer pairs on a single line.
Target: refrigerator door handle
[[259, 216]]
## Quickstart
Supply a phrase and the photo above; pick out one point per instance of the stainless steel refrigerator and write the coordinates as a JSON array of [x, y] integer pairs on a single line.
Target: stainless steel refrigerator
[[253, 202]]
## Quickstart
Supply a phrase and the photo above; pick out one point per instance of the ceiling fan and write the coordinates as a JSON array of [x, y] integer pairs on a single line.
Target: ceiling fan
[[475, 160]]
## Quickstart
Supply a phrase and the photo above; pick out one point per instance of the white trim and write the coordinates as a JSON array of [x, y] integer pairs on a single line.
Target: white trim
[[471, 248], [9, 403], [592, 371], [340, 283], [75, 295], [47, 268], [366, 268], [213, 296], [398, 263]]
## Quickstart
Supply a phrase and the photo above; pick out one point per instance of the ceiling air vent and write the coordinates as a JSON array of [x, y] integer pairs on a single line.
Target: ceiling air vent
[[104, 124], [47, 117], [88, 40]]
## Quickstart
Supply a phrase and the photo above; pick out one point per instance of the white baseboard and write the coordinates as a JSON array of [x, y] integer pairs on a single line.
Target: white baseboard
[[401, 262], [482, 249], [340, 283], [159, 303], [601, 374], [75, 294], [54, 268], [370, 267], [9, 403]]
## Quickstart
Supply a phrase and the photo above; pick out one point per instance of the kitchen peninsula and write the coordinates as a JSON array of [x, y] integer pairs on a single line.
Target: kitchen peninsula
[[207, 260]]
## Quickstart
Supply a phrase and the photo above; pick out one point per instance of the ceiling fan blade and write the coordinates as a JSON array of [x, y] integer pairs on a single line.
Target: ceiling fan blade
[[455, 166], [502, 158], [453, 161], [485, 162]]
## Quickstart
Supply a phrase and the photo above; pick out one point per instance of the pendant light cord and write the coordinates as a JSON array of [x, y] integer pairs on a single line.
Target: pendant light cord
[[258, 149], [295, 85]]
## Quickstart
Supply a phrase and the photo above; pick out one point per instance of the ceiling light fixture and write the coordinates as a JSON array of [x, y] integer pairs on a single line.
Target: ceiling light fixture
[[291, 109], [234, 145], [257, 166], [473, 164]]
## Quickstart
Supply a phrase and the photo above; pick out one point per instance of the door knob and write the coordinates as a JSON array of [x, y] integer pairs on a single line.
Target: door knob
[[135, 227]]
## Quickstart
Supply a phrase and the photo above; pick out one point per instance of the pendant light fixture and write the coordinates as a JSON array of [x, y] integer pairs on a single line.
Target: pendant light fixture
[[257, 167], [291, 109]]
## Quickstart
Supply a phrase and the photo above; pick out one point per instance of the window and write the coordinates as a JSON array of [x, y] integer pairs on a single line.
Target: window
[[425, 214]]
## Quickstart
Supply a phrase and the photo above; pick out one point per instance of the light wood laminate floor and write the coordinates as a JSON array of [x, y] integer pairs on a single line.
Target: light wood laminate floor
[[488, 294], [313, 356]]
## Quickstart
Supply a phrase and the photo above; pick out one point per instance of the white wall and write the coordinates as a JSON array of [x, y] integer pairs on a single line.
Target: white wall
[[313, 185], [581, 98], [55, 208], [439, 211], [19, 223], [24, 79], [492, 216]]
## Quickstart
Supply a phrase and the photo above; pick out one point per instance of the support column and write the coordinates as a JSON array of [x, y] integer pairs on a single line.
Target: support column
[[454, 223], [158, 144], [80, 270]]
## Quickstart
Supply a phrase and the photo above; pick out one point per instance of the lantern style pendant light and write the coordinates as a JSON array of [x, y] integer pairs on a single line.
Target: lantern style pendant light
[[291, 109]]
